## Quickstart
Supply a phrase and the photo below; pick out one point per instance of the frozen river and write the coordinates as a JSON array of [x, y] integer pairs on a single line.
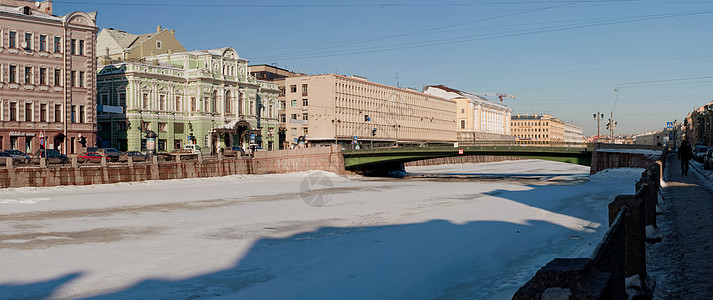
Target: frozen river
[[304, 235]]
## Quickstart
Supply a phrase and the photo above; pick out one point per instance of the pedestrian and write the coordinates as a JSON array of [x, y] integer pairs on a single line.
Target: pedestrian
[[685, 153]]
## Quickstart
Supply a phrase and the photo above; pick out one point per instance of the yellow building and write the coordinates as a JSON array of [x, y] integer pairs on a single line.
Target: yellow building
[[118, 45], [546, 129], [332, 108]]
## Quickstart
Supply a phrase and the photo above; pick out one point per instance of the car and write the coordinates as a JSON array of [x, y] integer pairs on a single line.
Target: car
[[19, 156], [135, 156], [191, 148], [112, 154], [52, 156], [89, 157], [708, 159], [698, 153], [233, 151], [3, 155]]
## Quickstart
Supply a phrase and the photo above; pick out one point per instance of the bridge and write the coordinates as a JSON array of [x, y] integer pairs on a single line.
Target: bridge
[[380, 161]]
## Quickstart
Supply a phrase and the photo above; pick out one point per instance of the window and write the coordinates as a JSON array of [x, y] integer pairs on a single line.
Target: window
[[28, 41], [205, 104], [57, 77], [81, 114], [305, 103], [304, 89], [73, 78], [293, 103], [43, 42], [13, 111], [43, 76], [145, 101], [145, 126], [462, 110], [43, 112], [282, 118], [104, 99], [57, 44], [81, 47], [81, 79], [282, 104], [178, 103], [28, 112], [28, 75], [293, 89], [193, 103], [58, 113], [13, 74], [73, 49], [122, 99], [162, 102], [228, 107], [158, 45], [462, 124], [214, 101], [293, 117], [305, 117], [162, 127], [12, 42], [73, 118]]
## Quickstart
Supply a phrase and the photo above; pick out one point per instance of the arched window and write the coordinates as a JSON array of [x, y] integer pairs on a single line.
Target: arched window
[[228, 108]]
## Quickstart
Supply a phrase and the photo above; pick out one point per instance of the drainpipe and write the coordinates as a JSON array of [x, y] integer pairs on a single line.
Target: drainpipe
[[67, 96]]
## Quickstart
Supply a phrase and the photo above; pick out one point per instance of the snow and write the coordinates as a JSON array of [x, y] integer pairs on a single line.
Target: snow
[[649, 153], [253, 237], [653, 233]]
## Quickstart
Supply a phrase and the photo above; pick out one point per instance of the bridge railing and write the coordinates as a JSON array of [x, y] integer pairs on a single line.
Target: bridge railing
[[421, 144]]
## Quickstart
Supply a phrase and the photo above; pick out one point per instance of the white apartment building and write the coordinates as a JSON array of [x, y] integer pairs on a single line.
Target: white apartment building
[[331, 108]]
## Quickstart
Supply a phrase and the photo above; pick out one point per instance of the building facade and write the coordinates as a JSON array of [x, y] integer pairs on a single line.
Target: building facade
[[118, 45], [276, 75], [331, 108], [48, 78], [203, 97], [546, 129], [699, 125], [478, 119]]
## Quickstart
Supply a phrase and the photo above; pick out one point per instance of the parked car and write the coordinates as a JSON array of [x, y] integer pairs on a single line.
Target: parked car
[[135, 156], [89, 157], [52, 155], [708, 159], [698, 153], [233, 151], [112, 154], [3, 155], [19, 156], [191, 148]]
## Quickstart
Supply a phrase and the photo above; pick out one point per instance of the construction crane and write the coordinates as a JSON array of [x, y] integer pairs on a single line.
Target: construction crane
[[499, 95]]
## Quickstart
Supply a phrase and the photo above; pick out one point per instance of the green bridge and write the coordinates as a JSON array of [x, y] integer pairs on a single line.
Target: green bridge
[[384, 160]]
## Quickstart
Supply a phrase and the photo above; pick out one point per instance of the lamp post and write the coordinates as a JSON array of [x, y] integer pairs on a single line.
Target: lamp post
[[598, 116]]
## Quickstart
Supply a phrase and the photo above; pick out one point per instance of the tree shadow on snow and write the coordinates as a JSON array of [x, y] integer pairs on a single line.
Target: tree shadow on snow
[[37, 290]]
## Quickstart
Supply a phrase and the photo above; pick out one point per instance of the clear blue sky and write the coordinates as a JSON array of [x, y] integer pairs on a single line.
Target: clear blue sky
[[564, 58]]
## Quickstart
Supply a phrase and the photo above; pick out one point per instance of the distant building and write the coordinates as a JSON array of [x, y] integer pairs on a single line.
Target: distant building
[[202, 97], [546, 129], [47, 82], [118, 45], [276, 75], [332, 108], [699, 125], [478, 118]]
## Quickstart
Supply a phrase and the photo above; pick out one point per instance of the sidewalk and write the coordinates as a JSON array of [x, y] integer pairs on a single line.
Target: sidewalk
[[682, 264]]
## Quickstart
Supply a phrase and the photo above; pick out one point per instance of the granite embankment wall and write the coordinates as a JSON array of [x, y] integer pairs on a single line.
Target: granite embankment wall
[[265, 162], [620, 255], [610, 156]]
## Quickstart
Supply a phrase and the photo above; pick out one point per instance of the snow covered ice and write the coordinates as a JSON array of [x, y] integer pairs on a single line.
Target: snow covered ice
[[253, 237]]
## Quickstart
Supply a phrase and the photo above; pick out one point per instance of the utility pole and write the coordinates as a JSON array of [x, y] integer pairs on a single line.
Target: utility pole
[[611, 124], [598, 116]]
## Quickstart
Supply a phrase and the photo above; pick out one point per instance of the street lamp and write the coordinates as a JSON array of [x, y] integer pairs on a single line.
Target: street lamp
[[598, 116]]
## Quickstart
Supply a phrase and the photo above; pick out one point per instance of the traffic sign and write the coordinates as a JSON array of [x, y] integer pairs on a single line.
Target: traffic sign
[[460, 151], [669, 125]]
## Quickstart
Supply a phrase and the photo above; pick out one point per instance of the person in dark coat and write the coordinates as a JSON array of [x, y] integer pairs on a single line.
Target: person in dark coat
[[685, 153]]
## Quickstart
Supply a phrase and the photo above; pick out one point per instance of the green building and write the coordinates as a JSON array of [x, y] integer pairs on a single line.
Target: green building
[[201, 97]]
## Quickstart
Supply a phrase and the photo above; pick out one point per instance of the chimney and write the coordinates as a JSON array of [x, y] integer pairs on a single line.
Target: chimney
[[158, 28], [173, 32]]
